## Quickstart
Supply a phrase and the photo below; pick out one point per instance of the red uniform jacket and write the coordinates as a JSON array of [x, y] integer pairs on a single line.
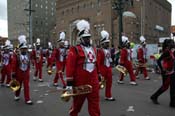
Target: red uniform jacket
[[75, 68], [141, 55], [56, 57], [38, 58], [125, 56], [101, 61]]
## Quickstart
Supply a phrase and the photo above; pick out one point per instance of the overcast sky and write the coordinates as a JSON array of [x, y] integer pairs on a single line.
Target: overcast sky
[[3, 16]]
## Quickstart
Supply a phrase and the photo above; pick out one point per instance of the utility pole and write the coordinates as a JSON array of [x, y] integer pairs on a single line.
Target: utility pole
[[30, 21]]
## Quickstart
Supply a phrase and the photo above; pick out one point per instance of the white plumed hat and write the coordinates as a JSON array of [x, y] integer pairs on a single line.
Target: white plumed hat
[[83, 27], [142, 40], [104, 37], [38, 41], [22, 41], [62, 36], [125, 39], [49, 45], [7, 44]]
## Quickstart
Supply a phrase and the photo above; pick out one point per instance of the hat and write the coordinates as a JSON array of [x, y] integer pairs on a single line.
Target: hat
[[50, 45], [38, 41], [11, 46], [83, 27], [22, 41], [125, 39], [7, 44], [142, 40], [62, 36], [104, 37]]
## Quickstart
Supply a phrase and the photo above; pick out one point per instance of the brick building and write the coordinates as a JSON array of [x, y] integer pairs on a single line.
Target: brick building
[[152, 19]]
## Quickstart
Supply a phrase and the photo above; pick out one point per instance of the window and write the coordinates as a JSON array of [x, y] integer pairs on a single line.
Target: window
[[41, 6], [36, 5], [46, 7]]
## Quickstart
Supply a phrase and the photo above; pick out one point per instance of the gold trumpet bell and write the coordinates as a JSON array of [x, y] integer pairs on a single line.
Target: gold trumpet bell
[[49, 72], [14, 85], [66, 96], [102, 84]]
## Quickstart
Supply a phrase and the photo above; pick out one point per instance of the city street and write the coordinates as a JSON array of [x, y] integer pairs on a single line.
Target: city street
[[130, 100]]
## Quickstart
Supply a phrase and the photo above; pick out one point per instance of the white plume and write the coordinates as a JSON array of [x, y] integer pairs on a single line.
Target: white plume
[[49, 44], [104, 34], [62, 35], [142, 38], [34, 44], [124, 39], [38, 40], [83, 25], [7, 42], [22, 39]]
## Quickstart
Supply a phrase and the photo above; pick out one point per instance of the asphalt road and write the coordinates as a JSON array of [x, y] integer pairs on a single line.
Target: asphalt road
[[130, 100]]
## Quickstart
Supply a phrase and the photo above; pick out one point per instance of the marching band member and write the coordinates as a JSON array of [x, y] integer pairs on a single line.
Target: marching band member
[[105, 64], [37, 55], [81, 69], [21, 69], [6, 60], [49, 54], [67, 47], [166, 65], [59, 56], [125, 60], [141, 56]]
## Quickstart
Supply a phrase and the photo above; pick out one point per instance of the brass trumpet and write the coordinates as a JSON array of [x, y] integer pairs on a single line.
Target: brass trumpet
[[80, 90], [14, 85], [122, 69], [49, 72]]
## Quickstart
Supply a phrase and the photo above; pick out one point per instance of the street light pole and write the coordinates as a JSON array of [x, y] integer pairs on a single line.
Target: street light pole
[[120, 11], [119, 7]]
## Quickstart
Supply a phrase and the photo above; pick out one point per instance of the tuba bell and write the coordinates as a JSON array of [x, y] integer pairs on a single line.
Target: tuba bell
[[80, 90], [121, 69], [14, 85]]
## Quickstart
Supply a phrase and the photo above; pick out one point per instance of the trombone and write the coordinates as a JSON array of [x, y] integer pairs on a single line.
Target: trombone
[[79, 90]]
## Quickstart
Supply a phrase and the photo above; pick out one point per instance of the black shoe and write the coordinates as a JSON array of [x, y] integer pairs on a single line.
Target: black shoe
[[64, 87], [110, 99], [154, 100]]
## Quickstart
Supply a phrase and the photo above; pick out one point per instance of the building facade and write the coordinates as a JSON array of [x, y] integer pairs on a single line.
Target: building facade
[[17, 19], [43, 19], [152, 19]]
